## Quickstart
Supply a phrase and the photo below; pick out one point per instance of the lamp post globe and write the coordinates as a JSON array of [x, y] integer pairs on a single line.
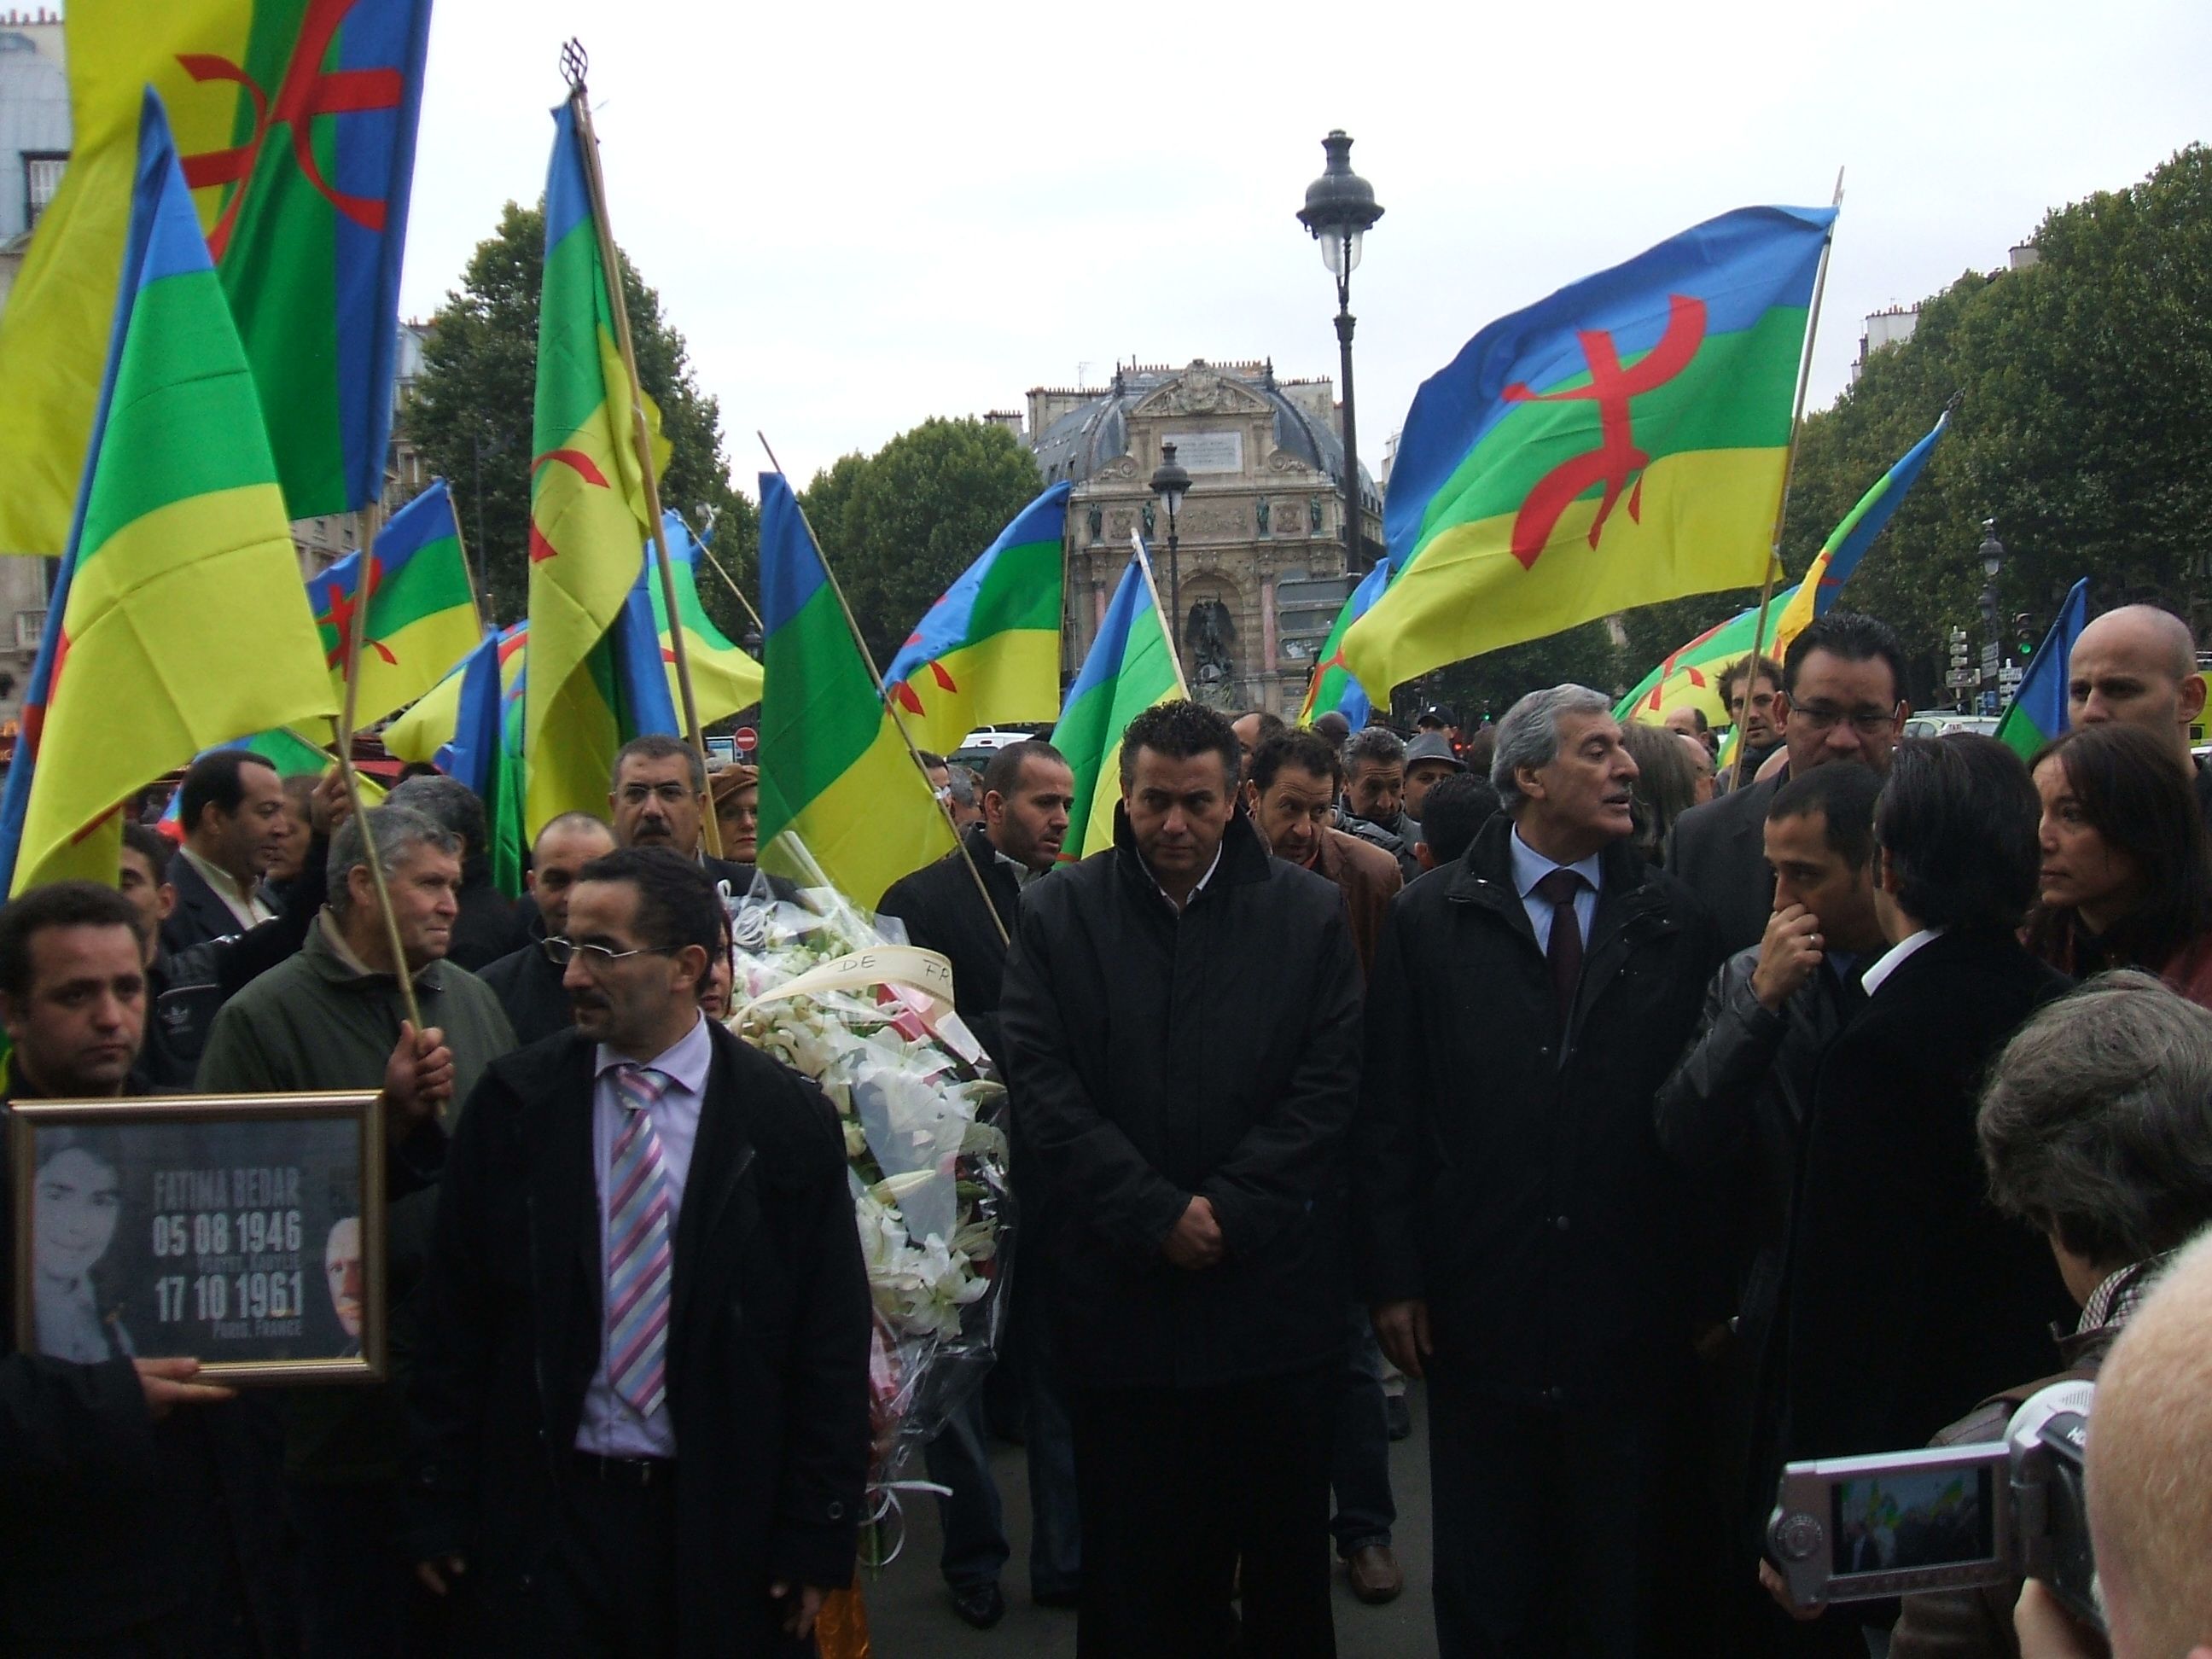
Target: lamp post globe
[[1340, 210], [1171, 483]]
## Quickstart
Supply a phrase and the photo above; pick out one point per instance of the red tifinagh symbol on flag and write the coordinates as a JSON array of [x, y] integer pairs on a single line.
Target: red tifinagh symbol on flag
[[585, 468], [910, 699], [1616, 456], [306, 91], [340, 617]]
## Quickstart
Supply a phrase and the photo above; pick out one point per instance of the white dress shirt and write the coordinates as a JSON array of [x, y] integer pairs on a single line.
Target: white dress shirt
[[1894, 959]]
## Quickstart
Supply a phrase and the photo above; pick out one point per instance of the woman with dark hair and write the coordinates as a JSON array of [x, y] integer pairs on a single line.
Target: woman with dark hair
[[77, 1200], [2126, 872]]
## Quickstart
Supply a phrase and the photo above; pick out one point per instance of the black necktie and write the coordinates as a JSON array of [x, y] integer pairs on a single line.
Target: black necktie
[[1564, 952]]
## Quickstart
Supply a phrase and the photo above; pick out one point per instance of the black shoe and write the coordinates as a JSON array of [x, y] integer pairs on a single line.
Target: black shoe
[[979, 1605], [1398, 1414]]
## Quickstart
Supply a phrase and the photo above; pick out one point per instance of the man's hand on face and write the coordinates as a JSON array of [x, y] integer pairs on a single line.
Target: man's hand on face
[[1195, 1242], [418, 1078], [1788, 956], [168, 1385]]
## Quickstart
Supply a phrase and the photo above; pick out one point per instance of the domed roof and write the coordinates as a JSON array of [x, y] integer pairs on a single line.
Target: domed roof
[[1095, 432]]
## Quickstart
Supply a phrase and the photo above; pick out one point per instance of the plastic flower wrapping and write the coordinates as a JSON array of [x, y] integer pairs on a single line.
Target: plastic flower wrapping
[[843, 1000]]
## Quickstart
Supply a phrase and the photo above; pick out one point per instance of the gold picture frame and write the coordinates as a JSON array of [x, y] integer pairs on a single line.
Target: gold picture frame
[[207, 1227]]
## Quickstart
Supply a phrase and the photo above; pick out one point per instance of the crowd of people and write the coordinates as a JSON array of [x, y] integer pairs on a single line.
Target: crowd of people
[[1664, 1123]]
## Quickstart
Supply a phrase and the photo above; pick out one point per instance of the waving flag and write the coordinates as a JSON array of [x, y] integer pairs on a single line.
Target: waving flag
[[1332, 687], [588, 517], [1619, 443], [988, 652], [1691, 675], [724, 679], [1847, 542], [834, 769], [421, 610], [2040, 710], [296, 121], [1131, 666], [485, 752], [180, 542]]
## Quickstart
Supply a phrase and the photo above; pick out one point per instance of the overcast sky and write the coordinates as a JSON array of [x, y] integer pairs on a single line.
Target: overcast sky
[[862, 215]]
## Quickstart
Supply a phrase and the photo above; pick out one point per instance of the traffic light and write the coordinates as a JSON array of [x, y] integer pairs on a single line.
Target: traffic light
[[2023, 628]]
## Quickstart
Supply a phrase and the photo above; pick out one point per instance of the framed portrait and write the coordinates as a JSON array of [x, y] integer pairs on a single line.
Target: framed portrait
[[245, 1231]]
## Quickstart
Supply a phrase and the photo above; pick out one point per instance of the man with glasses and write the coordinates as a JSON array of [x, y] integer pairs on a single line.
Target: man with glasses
[[658, 798], [526, 982], [1843, 701], [641, 1401]]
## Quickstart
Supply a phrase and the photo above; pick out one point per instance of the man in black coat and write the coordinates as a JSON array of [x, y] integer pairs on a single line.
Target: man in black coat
[[1182, 1019], [526, 980], [1842, 701], [1523, 1240], [678, 1469], [1907, 1297], [231, 805], [1028, 794]]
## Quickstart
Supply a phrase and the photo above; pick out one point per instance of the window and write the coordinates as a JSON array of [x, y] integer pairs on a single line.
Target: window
[[42, 176]]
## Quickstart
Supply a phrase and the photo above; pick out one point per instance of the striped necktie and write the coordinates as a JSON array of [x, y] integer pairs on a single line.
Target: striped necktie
[[639, 1258]]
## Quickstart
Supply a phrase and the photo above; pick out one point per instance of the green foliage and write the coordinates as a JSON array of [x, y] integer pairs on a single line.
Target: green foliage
[[900, 525], [472, 419], [2084, 429]]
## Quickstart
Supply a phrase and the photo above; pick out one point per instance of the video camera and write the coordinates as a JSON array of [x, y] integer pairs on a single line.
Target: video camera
[[1895, 1523]]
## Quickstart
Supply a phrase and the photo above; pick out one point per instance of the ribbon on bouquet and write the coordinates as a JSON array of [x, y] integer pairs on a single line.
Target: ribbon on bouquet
[[920, 979]]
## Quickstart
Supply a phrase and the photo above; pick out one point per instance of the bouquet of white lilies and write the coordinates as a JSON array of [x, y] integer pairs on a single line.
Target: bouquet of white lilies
[[869, 1019]]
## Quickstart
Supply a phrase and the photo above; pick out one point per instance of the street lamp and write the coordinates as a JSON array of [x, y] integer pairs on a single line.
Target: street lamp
[[1171, 483], [1341, 206], [1993, 558]]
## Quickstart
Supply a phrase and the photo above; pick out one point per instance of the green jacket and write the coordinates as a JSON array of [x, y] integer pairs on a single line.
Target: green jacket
[[321, 1021]]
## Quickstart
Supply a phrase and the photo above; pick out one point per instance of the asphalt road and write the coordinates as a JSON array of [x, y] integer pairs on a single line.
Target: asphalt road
[[910, 1614]]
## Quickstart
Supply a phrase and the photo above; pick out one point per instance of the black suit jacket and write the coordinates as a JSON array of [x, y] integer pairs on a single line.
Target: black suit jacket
[[768, 1347], [200, 914], [1907, 1297], [1718, 851], [943, 912]]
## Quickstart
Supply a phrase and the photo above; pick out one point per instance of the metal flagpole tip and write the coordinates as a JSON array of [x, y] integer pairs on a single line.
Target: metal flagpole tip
[[574, 62]]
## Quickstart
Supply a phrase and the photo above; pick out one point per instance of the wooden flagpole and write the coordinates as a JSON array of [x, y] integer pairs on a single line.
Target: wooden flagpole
[[573, 63], [478, 596], [1788, 470], [890, 703], [372, 524], [731, 583], [1167, 623]]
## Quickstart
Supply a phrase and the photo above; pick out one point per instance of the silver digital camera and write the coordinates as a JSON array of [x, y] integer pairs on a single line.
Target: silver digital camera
[[1895, 1523]]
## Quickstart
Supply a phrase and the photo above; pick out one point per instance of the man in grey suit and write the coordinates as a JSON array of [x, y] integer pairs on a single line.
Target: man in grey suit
[[1843, 699]]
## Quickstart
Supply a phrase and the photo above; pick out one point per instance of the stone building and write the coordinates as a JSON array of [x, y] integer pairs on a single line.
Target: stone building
[[1262, 563]]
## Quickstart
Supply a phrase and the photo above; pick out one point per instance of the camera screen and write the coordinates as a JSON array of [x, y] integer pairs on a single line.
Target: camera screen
[[1897, 1521]]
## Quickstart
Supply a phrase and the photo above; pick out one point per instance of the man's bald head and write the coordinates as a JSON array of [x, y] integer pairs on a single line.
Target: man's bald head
[[2136, 665], [2150, 1467]]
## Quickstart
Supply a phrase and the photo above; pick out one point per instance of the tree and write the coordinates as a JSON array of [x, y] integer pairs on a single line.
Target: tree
[[900, 525], [472, 418]]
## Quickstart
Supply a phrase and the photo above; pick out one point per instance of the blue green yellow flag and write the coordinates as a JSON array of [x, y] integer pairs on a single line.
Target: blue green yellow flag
[[1620, 442], [421, 607], [179, 543], [2041, 708], [588, 512], [1130, 668], [835, 772], [987, 652]]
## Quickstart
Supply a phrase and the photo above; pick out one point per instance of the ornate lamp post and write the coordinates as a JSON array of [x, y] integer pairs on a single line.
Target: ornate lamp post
[[1341, 206], [1171, 483], [1993, 558]]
